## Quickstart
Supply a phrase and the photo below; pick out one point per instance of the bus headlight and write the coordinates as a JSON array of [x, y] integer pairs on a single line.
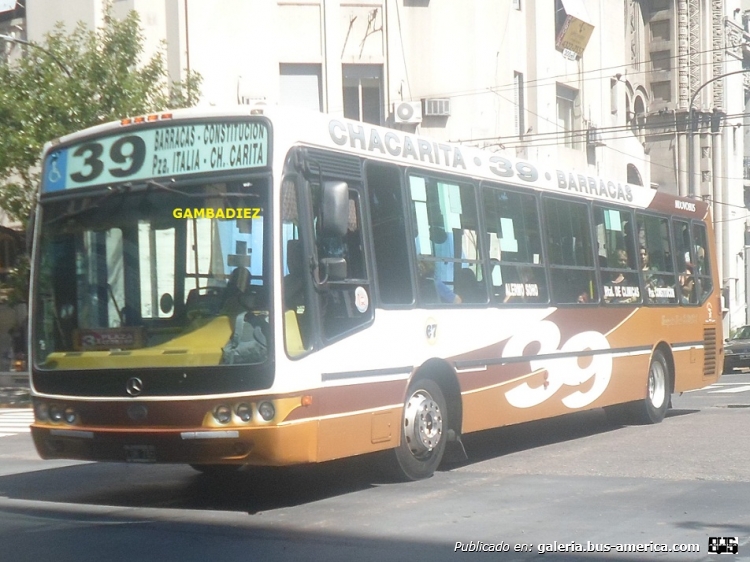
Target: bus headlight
[[223, 414], [55, 413], [244, 412], [70, 416], [42, 412], [266, 410]]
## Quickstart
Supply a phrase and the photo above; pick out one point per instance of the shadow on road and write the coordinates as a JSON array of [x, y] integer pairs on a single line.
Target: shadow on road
[[260, 489]]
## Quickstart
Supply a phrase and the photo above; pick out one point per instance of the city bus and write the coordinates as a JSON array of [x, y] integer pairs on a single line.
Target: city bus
[[262, 286]]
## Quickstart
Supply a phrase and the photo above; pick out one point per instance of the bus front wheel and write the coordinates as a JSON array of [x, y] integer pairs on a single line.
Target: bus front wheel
[[424, 428]]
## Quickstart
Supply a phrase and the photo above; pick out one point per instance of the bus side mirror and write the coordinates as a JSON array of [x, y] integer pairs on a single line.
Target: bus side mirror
[[335, 208], [334, 211], [335, 268]]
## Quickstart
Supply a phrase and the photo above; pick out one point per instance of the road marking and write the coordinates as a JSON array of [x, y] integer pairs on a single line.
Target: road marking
[[15, 420], [744, 388]]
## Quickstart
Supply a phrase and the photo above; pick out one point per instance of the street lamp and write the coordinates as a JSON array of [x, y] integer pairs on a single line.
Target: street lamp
[[691, 130], [45, 51]]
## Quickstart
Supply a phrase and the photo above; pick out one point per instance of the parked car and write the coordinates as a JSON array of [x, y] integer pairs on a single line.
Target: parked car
[[737, 350]]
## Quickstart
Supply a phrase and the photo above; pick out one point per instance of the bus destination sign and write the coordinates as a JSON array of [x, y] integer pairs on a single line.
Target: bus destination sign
[[159, 152]]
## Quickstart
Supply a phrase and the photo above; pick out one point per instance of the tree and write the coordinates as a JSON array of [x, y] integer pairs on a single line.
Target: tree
[[104, 78]]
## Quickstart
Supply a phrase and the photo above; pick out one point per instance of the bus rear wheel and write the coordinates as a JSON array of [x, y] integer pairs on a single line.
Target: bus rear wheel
[[424, 429], [654, 406]]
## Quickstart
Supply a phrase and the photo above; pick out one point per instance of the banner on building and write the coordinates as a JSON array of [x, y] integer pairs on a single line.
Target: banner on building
[[7, 5]]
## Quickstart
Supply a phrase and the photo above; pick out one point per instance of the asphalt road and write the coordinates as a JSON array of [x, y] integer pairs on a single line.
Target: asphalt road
[[557, 484]]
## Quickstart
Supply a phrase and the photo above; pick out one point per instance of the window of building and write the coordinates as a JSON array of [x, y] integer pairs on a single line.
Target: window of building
[[301, 85], [633, 175], [661, 91], [363, 92], [568, 115], [613, 97], [515, 247], [447, 245], [660, 30], [570, 253], [661, 60]]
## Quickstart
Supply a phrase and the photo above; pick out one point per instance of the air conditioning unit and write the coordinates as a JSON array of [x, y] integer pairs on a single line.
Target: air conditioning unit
[[407, 112], [437, 107]]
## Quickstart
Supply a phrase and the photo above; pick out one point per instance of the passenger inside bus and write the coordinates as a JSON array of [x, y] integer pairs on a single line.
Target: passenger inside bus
[[250, 330], [687, 288], [432, 289], [468, 288], [622, 284]]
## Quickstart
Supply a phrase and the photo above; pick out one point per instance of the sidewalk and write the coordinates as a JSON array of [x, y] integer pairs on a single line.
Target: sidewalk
[[14, 389]]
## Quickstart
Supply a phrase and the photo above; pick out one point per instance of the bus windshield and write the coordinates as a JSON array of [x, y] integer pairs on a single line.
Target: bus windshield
[[158, 277]]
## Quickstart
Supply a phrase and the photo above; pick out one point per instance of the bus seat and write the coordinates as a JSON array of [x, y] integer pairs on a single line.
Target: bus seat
[[292, 335], [204, 299]]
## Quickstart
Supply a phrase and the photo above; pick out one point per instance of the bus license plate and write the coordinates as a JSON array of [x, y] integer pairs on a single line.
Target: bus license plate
[[140, 453]]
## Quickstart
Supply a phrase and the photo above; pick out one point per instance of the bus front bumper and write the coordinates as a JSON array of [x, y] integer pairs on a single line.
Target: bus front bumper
[[277, 445]]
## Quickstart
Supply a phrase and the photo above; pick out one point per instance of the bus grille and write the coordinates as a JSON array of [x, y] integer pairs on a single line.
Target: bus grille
[[709, 351], [337, 166]]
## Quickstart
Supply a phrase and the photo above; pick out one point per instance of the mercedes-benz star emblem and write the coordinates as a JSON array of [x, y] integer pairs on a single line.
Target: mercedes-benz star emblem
[[134, 386]]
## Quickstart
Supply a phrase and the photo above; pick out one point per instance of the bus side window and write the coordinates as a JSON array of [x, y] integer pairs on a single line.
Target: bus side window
[[446, 241], [515, 247], [617, 256], [573, 274], [686, 261], [389, 238], [297, 321], [702, 263], [655, 260], [346, 303]]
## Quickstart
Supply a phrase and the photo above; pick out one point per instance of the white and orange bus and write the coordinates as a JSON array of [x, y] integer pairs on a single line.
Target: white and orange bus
[[262, 286]]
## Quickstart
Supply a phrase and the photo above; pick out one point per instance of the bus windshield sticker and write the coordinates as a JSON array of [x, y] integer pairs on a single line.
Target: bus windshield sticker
[[361, 300], [172, 151]]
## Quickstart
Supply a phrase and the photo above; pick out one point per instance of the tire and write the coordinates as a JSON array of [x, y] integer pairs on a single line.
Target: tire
[[424, 432], [654, 407]]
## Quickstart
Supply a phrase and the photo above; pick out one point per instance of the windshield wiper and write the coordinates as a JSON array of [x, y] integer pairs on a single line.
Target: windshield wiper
[[120, 189], [200, 195]]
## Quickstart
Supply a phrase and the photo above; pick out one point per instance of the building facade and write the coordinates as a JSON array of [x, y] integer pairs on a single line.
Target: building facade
[[602, 87]]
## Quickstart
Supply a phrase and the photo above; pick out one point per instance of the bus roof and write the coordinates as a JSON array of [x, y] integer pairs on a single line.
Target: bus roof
[[296, 126]]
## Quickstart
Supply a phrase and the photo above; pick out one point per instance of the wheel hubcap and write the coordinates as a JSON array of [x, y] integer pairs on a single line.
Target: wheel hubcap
[[657, 385], [423, 423]]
